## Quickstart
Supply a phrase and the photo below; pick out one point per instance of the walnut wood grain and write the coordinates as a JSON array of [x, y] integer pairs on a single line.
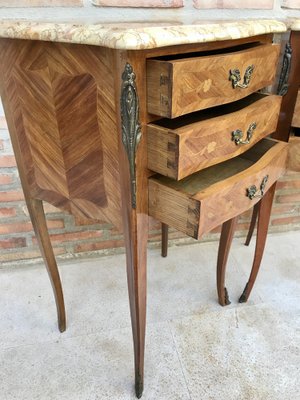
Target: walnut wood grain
[[64, 115], [180, 86], [178, 148], [202, 201]]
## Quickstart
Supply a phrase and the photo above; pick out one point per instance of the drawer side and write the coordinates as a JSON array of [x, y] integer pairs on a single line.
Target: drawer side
[[173, 208], [159, 87], [163, 148]]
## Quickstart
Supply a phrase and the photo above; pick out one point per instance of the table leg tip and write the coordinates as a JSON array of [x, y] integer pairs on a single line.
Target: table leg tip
[[244, 296], [139, 387], [242, 299], [226, 297], [62, 326]]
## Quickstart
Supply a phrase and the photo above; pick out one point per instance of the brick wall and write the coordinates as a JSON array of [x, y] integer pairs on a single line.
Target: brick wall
[[41, 3], [75, 238], [200, 4]]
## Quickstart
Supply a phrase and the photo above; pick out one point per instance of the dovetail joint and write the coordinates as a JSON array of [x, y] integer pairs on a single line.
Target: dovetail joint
[[164, 80], [164, 100]]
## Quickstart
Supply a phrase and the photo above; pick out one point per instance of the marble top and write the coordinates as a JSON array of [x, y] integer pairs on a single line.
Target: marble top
[[137, 35], [294, 24]]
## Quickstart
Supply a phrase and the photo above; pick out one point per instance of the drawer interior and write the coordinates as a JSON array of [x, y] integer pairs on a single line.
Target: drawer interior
[[203, 53], [201, 180]]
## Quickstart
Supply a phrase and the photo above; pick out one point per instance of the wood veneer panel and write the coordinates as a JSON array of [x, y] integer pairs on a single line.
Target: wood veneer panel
[[197, 204], [180, 147], [180, 86], [64, 112]]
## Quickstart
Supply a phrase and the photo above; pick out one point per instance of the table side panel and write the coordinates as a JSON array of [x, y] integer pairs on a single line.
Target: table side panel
[[62, 101]]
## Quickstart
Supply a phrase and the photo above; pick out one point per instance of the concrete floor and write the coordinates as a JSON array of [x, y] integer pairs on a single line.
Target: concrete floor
[[194, 348]]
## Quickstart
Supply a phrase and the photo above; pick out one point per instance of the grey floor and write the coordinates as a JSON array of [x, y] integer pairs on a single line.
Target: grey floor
[[194, 348]]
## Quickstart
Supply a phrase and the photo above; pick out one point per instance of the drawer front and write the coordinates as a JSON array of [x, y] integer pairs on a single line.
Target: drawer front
[[205, 200], [181, 86], [186, 149]]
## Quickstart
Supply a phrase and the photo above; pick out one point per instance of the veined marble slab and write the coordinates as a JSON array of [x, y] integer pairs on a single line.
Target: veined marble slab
[[137, 35], [294, 24]]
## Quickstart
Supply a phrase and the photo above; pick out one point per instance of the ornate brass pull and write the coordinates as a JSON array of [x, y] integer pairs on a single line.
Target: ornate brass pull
[[252, 190], [238, 134], [235, 77]]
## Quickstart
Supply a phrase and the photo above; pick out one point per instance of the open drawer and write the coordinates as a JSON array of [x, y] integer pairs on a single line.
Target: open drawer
[[179, 147], [197, 204], [177, 86]]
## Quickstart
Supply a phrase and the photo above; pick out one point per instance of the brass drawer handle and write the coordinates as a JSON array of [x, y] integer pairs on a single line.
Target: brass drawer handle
[[235, 77], [238, 134], [252, 190]]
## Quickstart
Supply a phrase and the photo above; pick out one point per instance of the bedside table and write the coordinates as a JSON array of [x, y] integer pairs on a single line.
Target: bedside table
[[82, 102]]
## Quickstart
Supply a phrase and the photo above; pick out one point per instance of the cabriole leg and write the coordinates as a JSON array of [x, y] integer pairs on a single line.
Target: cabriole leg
[[252, 224], [226, 237], [37, 215], [264, 213], [136, 252]]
